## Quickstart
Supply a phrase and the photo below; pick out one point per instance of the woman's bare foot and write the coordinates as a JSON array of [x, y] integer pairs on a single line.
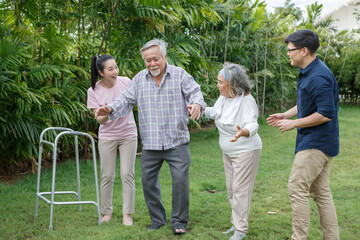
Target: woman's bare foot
[[106, 218], [127, 220]]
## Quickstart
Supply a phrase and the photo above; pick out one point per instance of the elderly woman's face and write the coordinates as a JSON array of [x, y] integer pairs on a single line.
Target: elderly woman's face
[[223, 86]]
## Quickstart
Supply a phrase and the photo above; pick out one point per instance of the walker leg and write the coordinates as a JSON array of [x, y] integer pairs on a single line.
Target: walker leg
[[77, 171], [38, 182], [96, 181], [53, 187]]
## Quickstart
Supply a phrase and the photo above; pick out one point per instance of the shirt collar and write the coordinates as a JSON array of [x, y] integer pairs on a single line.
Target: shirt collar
[[309, 67]]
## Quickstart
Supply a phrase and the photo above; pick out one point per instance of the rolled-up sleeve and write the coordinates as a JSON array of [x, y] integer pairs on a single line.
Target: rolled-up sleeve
[[322, 93]]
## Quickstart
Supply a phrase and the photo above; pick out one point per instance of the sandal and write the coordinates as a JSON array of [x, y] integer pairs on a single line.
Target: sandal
[[179, 230]]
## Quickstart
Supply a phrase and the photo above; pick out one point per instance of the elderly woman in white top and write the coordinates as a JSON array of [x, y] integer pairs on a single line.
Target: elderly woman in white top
[[236, 113]]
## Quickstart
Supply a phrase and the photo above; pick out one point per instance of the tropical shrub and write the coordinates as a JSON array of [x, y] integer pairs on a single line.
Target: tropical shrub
[[46, 47]]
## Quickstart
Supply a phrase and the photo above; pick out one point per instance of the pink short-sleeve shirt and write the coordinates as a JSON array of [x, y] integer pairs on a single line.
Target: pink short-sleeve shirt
[[121, 128]]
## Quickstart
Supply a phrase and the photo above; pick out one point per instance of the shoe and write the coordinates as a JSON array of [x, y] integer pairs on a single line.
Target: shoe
[[237, 236], [230, 230], [179, 230], [155, 226], [106, 218], [128, 220]]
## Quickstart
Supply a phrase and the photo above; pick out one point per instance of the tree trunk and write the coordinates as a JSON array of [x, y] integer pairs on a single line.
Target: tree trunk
[[65, 34], [256, 77], [79, 33], [343, 65], [39, 30], [227, 33], [215, 45], [18, 20], [264, 88], [93, 22], [211, 39], [282, 83], [199, 48], [169, 36], [205, 41], [327, 48]]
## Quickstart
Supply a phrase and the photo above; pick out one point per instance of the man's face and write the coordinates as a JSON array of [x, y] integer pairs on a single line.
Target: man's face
[[154, 61], [295, 55]]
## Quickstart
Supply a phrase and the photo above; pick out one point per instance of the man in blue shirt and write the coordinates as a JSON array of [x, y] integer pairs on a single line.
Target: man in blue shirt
[[317, 140]]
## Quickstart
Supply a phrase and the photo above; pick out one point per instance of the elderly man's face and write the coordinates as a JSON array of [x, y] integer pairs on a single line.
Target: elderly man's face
[[154, 61]]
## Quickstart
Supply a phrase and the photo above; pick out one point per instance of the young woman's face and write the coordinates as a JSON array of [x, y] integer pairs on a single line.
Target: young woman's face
[[223, 86], [110, 71]]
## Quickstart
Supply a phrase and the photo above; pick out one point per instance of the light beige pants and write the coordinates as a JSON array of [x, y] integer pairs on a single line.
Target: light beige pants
[[108, 154], [310, 177], [240, 173]]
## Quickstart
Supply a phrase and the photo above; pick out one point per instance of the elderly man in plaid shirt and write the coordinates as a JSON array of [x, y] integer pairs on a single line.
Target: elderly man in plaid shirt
[[165, 95]]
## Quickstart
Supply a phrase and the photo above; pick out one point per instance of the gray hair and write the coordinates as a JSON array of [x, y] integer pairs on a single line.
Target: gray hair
[[239, 81], [155, 42]]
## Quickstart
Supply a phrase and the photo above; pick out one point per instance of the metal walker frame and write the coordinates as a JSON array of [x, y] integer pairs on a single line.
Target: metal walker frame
[[54, 145]]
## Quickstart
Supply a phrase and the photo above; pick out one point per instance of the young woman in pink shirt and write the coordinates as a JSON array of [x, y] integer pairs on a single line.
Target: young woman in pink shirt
[[118, 135]]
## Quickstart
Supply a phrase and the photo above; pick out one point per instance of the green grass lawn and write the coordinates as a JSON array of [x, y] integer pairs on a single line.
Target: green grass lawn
[[270, 216]]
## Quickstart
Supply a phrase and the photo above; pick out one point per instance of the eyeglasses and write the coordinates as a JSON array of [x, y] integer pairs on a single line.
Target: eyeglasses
[[293, 49]]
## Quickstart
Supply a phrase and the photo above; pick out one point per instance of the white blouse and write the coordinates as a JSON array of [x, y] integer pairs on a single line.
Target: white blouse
[[246, 117]]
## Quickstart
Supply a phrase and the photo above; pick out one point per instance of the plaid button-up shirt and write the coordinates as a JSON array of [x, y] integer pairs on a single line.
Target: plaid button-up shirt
[[162, 112]]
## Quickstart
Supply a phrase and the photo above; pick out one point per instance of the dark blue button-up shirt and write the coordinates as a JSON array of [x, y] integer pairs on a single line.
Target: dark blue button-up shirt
[[317, 91]]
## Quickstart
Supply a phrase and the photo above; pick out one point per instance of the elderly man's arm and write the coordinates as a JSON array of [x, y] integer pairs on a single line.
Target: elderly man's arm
[[194, 97], [121, 106]]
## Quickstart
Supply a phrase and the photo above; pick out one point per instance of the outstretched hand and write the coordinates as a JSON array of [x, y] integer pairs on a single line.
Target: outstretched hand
[[237, 135], [279, 120], [194, 111], [102, 111], [273, 119], [285, 125]]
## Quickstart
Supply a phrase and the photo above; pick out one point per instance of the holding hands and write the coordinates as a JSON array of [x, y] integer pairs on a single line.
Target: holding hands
[[102, 111], [194, 111]]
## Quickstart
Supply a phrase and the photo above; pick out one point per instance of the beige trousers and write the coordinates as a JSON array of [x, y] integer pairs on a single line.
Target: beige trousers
[[310, 177], [108, 154], [240, 173]]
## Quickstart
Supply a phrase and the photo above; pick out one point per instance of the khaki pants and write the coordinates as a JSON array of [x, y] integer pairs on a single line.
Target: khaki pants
[[310, 177], [108, 153], [240, 173]]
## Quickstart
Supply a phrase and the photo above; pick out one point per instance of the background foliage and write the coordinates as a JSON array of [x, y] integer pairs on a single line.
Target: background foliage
[[46, 46]]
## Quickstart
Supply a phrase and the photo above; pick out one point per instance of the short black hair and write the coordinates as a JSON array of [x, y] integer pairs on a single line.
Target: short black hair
[[304, 38]]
